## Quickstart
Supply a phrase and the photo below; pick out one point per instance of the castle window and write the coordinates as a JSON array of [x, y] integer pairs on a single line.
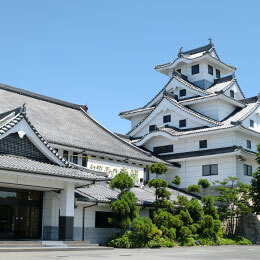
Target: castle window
[[102, 219], [152, 128], [232, 93], [163, 149], [210, 169], [75, 158], [182, 123], [84, 160], [167, 118], [252, 123], [179, 70], [217, 73], [210, 70], [195, 69], [203, 144], [182, 92], [248, 170], [65, 155], [248, 144]]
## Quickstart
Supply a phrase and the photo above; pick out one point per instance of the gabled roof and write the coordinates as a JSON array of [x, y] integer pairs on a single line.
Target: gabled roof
[[70, 125], [223, 84], [183, 108], [23, 164]]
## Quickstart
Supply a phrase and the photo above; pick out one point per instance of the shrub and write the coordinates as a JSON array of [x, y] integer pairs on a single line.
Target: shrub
[[193, 188], [161, 242], [121, 241], [189, 241]]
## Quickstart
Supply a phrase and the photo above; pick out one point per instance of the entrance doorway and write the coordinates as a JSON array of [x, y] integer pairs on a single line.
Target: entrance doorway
[[20, 214]]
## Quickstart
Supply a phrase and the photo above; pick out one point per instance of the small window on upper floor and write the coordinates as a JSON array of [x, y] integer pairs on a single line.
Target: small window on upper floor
[[195, 69], [182, 123], [217, 73], [84, 160], [152, 128], [183, 92], [248, 170], [163, 149], [210, 70], [75, 158], [210, 169], [232, 93], [65, 155], [167, 118], [252, 123], [179, 70], [249, 144], [203, 144]]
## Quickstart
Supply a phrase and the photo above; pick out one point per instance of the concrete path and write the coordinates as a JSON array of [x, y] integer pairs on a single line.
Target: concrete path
[[183, 253]]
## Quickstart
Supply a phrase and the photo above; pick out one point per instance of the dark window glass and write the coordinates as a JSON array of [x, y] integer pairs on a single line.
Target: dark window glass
[[195, 69], [252, 123], [75, 158], [167, 119], [182, 123], [203, 144], [232, 93], [163, 149], [248, 170], [210, 70], [102, 219], [217, 73], [248, 144], [211, 169], [84, 160], [152, 128], [182, 92], [65, 154], [179, 70]]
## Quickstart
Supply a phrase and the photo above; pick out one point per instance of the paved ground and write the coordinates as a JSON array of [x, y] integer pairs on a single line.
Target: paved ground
[[188, 253]]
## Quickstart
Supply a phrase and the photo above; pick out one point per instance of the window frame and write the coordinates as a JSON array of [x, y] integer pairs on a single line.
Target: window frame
[[252, 123], [152, 128], [195, 69], [210, 70], [183, 91], [101, 223], [218, 74], [85, 159], [232, 93], [167, 119], [182, 121], [163, 149], [211, 169], [202, 144], [246, 170], [249, 144], [65, 154], [75, 158]]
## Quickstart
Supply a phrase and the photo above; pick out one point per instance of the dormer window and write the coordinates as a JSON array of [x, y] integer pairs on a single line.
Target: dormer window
[[167, 119], [182, 123], [210, 70], [248, 144], [217, 73], [152, 128], [232, 93], [195, 69], [182, 92], [252, 123]]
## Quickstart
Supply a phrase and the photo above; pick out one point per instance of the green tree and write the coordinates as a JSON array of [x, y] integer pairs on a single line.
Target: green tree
[[193, 188], [124, 208], [177, 180], [158, 168], [234, 198], [255, 186], [204, 184]]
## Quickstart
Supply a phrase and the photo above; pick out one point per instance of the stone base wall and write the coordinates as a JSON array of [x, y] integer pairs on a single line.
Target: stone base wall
[[50, 233]]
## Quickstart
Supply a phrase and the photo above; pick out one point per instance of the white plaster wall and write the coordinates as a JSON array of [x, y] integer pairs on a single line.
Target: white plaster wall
[[240, 170], [256, 117], [136, 119], [238, 95], [241, 140], [51, 205]]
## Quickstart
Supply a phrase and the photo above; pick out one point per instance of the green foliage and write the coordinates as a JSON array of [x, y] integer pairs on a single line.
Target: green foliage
[[158, 168], [204, 184], [121, 240], [193, 188], [234, 240], [161, 242], [185, 217], [234, 200], [255, 185], [195, 209], [209, 206], [209, 227], [124, 208], [122, 181], [177, 180], [189, 241], [158, 183]]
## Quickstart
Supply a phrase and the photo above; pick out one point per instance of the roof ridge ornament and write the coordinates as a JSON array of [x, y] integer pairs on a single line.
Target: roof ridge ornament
[[211, 41], [23, 108], [180, 51], [258, 97]]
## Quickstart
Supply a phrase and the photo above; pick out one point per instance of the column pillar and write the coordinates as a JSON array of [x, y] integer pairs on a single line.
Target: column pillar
[[66, 218]]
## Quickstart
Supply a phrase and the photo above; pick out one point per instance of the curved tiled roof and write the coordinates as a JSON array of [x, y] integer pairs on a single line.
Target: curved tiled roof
[[69, 125]]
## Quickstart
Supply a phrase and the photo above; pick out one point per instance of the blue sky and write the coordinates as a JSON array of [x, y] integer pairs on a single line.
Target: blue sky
[[103, 53]]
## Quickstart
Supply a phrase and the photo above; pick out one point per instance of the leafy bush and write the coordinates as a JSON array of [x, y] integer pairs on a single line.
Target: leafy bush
[[188, 241], [161, 242], [121, 241]]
